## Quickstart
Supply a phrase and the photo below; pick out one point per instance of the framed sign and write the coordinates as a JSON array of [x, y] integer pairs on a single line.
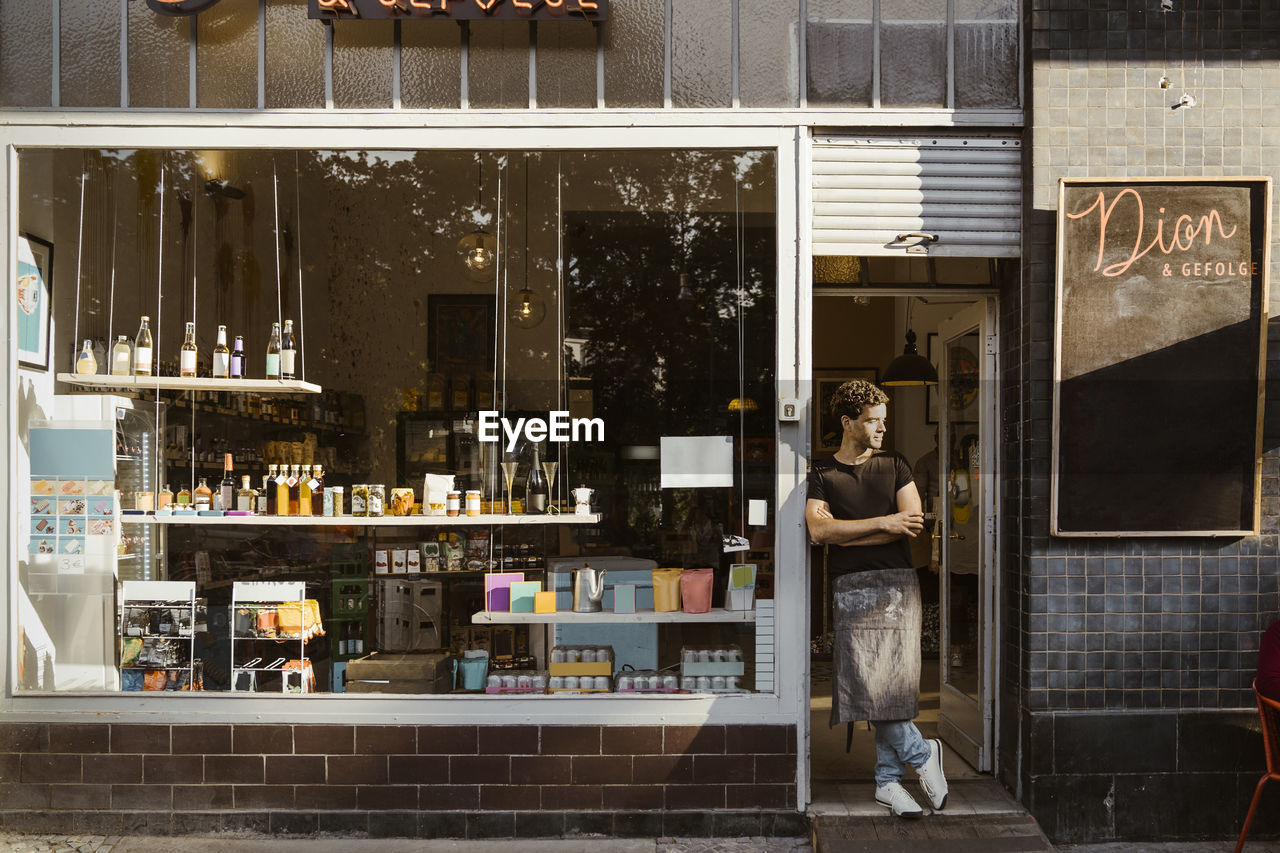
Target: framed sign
[[1159, 356], [826, 429], [35, 296], [453, 10], [461, 330]]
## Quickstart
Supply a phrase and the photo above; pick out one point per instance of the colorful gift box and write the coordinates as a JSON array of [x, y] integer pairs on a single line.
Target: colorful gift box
[[522, 595], [544, 602], [497, 590]]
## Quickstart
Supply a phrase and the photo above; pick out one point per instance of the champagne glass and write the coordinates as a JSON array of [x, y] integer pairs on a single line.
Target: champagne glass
[[549, 468], [509, 475]]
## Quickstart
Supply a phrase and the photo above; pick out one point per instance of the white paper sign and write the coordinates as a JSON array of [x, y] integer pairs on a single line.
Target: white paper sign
[[757, 512], [697, 462]]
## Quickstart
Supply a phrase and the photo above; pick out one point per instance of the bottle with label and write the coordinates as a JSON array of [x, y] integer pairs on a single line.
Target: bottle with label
[[142, 349], [269, 490], [227, 488], [221, 356], [86, 363], [317, 490], [237, 366], [187, 358], [120, 355], [282, 491], [246, 497], [295, 488], [165, 498], [535, 498], [184, 498], [304, 490], [202, 497], [288, 352], [273, 352]]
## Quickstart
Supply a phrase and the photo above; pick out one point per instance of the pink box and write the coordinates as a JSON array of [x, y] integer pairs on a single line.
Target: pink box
[[497, 590]]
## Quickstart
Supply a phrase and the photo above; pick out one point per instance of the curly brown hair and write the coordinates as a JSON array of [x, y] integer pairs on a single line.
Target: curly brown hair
[[854, 396]]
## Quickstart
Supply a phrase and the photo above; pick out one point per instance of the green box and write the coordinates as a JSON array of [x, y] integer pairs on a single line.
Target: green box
[[349, 597], [522, 593]]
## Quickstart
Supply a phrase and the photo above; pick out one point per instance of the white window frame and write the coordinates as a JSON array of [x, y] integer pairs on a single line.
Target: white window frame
[[785, 706]]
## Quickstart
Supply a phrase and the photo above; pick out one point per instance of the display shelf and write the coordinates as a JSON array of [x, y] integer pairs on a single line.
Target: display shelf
[[569, 617], [159, 595], [188, 383], [358, 521]]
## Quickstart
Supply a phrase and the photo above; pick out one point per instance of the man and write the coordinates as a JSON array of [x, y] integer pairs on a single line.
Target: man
[[863, 504]]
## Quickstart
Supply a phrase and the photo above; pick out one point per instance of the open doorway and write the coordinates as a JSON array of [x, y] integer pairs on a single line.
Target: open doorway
[[946, 433]]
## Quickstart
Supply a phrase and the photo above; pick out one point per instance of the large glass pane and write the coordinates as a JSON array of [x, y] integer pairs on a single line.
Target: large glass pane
[[498, 70], [227, 56], [624, 290], [430, 65], [986, 53], [295, 57], [363, 64], [634, 54], [566, 64], [913, 53], [88, 54], [840, 53], [768, 54], [159, 65], [26, 55], [701, 53]]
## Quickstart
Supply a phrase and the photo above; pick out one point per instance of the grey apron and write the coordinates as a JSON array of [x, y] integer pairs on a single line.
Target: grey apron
[[877, 646]]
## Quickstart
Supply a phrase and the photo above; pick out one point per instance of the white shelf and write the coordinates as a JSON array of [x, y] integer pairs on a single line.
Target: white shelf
[[357, 521], [569, 617], [181, 383]]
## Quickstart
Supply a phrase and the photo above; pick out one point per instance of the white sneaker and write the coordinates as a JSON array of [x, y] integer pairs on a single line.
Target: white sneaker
[[932, 782], [898, 801]]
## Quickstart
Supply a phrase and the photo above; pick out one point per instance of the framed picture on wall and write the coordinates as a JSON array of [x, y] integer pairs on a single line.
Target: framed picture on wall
[[962, 383], [35, 295], [826, 429], [461, 333]]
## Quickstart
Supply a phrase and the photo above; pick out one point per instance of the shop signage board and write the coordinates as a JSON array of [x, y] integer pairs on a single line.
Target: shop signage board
[[460, 10], [1159, 356]]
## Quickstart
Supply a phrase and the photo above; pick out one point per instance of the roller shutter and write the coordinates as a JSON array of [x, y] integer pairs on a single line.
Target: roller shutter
[[869, 190]]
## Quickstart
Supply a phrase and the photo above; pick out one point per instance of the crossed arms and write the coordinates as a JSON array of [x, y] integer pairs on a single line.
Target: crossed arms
[[825, 529]]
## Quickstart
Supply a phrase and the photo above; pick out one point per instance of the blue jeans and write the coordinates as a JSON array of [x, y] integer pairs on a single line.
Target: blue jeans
[[898, 743]]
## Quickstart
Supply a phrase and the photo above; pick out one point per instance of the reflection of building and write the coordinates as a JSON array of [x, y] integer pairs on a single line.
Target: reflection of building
[[646, 166]]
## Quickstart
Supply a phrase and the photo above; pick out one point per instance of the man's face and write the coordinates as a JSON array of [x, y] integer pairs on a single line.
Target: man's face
[[868, 430]]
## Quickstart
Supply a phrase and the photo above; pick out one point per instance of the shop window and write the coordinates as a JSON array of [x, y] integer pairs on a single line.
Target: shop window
[[841, 53], [634, 289], [294, 52], [227, 56], [634, 54]]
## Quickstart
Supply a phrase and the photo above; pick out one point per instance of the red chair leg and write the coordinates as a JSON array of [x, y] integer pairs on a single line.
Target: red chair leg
[[1253, 807]]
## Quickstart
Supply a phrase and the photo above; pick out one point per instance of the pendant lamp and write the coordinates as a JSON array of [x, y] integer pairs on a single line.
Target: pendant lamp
[[910, 368], [478, 251], [529, 309]]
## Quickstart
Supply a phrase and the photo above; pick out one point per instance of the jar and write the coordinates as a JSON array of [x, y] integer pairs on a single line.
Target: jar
[[360, 500], [401, 502], [473, 501], [333, 500], [453, 504], [377, 500]]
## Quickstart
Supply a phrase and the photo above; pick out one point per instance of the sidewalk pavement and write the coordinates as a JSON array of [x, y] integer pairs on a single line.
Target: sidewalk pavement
[[334, 844]]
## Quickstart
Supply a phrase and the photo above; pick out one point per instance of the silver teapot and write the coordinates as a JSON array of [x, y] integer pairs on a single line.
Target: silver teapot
[[588, 589]]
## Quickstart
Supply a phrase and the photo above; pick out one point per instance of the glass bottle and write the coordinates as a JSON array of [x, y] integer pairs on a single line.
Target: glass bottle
[[184, 497], [317, 490], [295, 489], [120, 355], [165, 498], [238, 368], [273, 352], [535, 490], [227, 488], [86, 364], [304, 491], [246, 497], [142, 349], [288, 352], [187, 358], [269, 490], [221, 356], [203, 495], [282, 491]]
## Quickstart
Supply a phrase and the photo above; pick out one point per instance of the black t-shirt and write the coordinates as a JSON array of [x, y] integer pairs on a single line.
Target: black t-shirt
[[868, 490]]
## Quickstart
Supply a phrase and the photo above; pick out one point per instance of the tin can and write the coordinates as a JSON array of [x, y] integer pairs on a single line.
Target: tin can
[[377, 500], [473, 502], [333, 500]]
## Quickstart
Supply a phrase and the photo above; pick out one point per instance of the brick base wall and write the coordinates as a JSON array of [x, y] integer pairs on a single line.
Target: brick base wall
[[408, 781]]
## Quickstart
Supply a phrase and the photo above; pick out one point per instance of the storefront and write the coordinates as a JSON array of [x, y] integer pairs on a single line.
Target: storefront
[[681, 222]]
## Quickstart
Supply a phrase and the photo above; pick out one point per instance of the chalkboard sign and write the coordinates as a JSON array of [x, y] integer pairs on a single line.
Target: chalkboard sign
[[1159, 354]]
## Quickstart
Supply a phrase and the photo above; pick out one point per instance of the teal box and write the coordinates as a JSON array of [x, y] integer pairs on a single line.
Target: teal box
[[522, 595], [624, 598]]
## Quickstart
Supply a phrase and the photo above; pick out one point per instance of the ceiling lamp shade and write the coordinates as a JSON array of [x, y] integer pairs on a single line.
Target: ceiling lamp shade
[[529, 309], [478, 251], [910, 368]]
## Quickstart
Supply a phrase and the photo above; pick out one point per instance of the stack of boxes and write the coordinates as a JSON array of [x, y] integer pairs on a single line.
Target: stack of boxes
[[409, 614]]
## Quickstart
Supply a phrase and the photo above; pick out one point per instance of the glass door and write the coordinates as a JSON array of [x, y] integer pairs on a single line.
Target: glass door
[[966, 420]]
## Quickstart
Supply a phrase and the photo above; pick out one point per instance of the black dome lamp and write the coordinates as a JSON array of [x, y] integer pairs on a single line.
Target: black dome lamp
[[910, 368]]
